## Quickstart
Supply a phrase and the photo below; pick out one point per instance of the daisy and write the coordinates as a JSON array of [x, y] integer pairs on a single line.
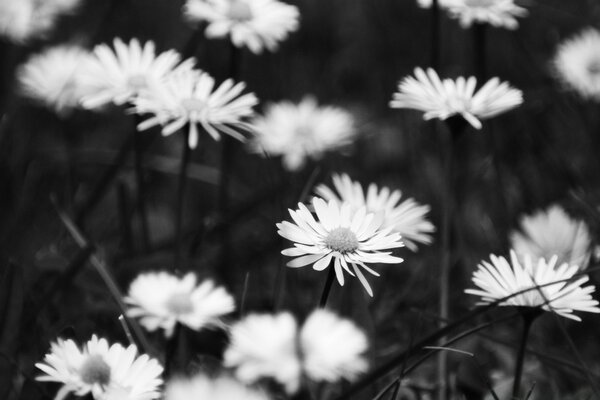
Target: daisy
[[406, 217], [53, 77], [203, 387], [326, 348], [429, 3], [552, 232], [350, 238], [101, 369], [255, 24], [443, 99], [577, 63], [189, 97], [161, 300], [300, 131], [502, 278], [122, 73], [498, 13]]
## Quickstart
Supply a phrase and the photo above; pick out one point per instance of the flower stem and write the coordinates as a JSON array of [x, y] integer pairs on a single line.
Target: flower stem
[[141, 192], [327, 287], [179, 202], [528, 319]]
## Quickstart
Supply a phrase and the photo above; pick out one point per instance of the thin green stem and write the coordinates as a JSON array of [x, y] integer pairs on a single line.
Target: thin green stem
[[528, 319], [327, 287], [179, 200], [138, 154]]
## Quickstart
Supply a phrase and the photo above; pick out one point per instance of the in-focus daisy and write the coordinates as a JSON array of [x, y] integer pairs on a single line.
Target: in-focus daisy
[[349, 238], [300, 131], [498, 13], [552, 232], [53, 77], [160, 300], [502, 278], [102, 370], [443, 99], [122, 73], [204, 387], [189, 97], [577, 63], [326, 348], [406, 217], [255, 24]]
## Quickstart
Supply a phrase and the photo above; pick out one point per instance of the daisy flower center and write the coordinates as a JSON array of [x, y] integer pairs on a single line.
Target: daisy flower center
[[342, 240], [480, 3], [192, 105], [593, 68], [239, 11], [137, 82], [180, 303], [95, 371]]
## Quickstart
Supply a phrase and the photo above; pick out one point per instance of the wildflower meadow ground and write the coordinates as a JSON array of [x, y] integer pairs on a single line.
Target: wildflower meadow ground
[[299, 199]]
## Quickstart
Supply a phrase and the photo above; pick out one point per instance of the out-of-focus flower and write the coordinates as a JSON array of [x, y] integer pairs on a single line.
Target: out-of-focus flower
[[443, 99], [187, 97], [101, 369], [552, 232], [121, 74], [21, 20], [326, 348], [160, 300], [498, 13], [406, 217], [500, 278], [255, 24], [300, 131], [350, 238], [429, 3], [201, 387], [53, 77], [577, 63]]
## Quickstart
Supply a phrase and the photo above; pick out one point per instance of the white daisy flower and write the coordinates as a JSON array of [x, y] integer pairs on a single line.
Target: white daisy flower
[[443, 99], [255, 24], [122, 73], [500, 278], [53, 77], [498, 13], [429, 3], [350, 238], [326, 348], [189, 97], [203, 387], [160, 300], [552, 232], [301, 131], [406, 217], [577, 63], [101, 369]]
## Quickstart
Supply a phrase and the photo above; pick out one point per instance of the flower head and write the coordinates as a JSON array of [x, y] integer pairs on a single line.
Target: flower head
[[350, 238], [577, 63], [203, 387], [326, 348], [498, 13], [124, 72], [160, 300], [189, 97], [406, 217], [443, 99], [101, 369], [53, 77], [255, 24], [502, 278], [300, 131], [552, 232]]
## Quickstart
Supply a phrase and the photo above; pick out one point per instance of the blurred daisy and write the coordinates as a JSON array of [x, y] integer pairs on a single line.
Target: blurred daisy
[[407, 217], [101, 369], [326, 348], [189, 97], [500, 278], [203, 387], [429, 3], [577, 63], [53, 77], [160, 300], [553, 232], [350, 238], [443, 99], [300, 131], [498, 13], [255, 24], [122, 73]]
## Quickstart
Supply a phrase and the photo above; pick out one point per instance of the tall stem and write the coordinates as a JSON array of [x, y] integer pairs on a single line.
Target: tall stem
[[479, 44], [327, 287], [179, 204], [528, 319], [139, 180]]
